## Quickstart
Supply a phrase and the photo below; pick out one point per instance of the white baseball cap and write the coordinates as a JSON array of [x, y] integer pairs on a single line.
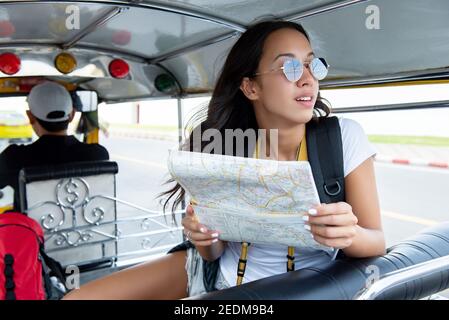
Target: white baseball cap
[[50, 101]]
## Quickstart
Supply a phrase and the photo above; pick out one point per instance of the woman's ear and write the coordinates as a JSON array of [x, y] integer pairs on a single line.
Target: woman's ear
[[249, 89]]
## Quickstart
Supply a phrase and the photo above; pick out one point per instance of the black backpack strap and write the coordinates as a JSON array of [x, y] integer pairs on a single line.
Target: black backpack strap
[[56, 289], [54, 266], [325, 154]]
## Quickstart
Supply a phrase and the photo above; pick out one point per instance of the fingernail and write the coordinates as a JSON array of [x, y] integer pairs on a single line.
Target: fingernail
[[305, 218], [215, 235], [215, 240], [203, 230], [313, 212], [307, 227]]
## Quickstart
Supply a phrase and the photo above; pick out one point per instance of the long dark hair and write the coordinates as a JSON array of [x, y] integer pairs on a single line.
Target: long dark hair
[[228, 107]]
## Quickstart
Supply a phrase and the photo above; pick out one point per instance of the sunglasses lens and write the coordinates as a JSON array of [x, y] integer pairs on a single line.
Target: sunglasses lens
[[293, 70], [318, 67]]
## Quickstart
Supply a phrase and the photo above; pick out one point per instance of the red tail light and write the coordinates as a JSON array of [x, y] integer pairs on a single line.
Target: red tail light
[[118, 68], [9, 63]]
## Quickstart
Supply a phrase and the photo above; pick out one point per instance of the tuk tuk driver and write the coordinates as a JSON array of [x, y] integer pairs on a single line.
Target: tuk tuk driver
[[50, 112]]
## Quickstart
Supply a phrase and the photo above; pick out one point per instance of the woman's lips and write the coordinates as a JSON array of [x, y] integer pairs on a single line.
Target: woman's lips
[[305, 103]]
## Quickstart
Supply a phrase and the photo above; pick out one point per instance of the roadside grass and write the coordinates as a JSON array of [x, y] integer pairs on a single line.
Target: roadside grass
[[424, 140]]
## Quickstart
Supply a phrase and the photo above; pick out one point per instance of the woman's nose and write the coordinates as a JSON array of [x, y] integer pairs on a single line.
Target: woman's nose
[[306, 78]]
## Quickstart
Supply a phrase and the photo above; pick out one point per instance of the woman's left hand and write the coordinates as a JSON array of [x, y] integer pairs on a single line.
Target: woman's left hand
[[333, 224]]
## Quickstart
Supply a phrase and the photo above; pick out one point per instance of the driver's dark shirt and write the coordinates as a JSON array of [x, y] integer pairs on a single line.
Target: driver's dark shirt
[[47, 150]]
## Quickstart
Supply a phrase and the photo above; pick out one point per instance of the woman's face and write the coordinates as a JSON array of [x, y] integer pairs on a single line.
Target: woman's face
[[280, 102]]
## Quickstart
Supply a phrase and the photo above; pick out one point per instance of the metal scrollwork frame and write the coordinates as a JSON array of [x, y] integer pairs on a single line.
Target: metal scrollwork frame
[[73, 200], [71, 194]]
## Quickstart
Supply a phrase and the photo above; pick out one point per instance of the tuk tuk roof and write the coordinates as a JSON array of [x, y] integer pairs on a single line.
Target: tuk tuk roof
[[189, 40]]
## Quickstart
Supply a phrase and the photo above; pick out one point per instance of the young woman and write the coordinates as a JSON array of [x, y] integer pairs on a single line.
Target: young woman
[[269, 81]]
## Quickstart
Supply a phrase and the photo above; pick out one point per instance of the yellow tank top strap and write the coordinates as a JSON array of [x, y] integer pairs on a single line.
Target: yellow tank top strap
[[301, 156], [242, 263]]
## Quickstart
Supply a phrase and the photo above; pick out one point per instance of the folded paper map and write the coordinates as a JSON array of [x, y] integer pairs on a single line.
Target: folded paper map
[[247, 199]]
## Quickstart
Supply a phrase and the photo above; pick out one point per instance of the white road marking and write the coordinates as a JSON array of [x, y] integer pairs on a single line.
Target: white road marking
[[408, 218]]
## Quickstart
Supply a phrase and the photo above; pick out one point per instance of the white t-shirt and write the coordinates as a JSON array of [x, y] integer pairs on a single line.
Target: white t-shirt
[[268, 260]]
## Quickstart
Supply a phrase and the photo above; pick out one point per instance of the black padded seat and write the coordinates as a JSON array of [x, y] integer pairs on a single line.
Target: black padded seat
[[343, 278]]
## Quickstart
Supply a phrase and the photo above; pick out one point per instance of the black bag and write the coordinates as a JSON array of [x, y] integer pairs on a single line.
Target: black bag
[[325, 154]]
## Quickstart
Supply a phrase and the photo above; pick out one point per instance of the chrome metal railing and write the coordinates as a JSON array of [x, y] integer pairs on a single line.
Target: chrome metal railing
[[393, 279]]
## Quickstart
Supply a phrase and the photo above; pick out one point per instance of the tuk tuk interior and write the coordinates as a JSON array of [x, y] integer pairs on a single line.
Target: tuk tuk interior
[[121, 51]]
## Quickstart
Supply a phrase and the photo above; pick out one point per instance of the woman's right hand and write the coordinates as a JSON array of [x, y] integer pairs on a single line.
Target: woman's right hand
[[196, 232]]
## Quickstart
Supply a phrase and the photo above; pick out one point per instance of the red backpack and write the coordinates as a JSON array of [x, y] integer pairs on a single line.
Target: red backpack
[[23, 262]]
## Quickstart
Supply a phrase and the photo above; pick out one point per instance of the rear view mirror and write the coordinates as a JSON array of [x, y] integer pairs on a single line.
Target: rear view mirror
[[85, 101]]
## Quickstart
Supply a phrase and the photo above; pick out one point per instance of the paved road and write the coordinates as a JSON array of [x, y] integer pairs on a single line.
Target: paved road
[[142, 168], [411, 198]]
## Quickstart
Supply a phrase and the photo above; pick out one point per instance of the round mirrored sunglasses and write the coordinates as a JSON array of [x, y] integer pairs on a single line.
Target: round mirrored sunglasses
[[294, 68]]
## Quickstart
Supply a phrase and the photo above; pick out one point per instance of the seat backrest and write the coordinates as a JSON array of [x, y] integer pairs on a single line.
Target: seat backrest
[[74, 203]]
